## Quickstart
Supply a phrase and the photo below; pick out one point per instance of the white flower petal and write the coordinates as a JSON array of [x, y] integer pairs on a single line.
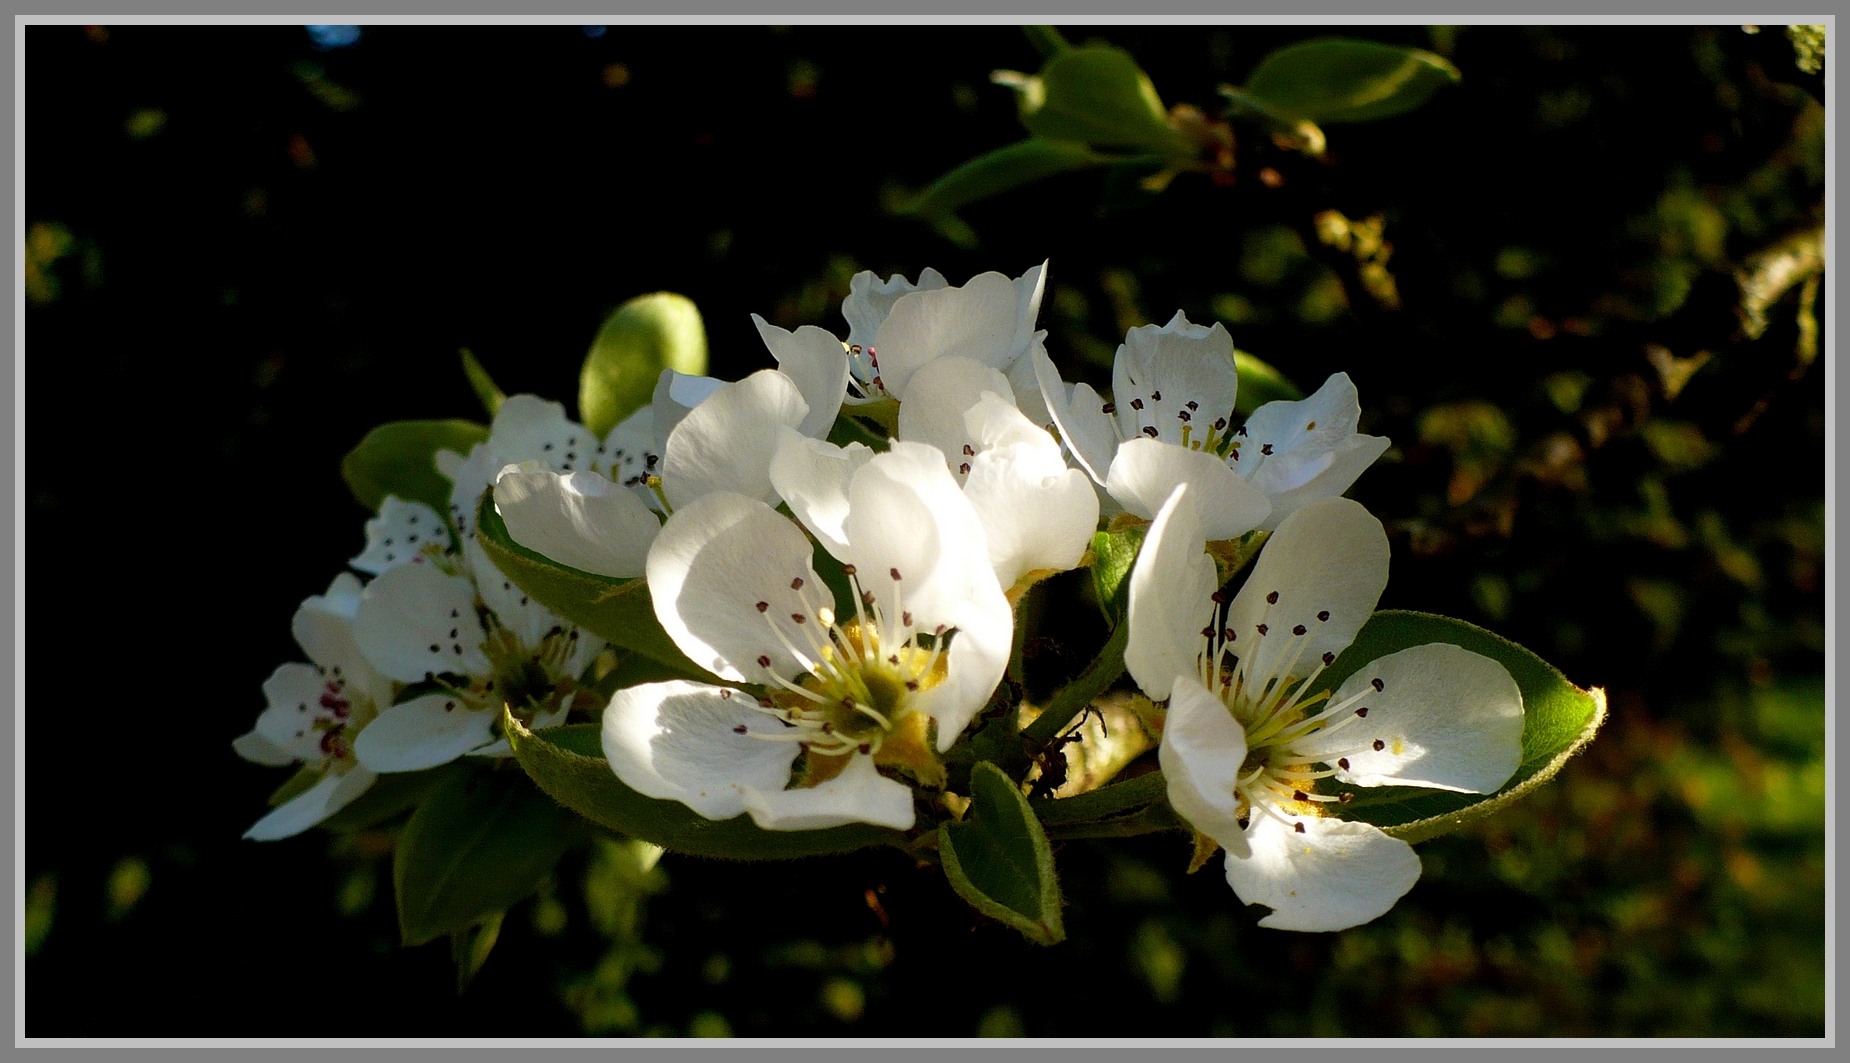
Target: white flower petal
[[311, 806], [993, 421], [1078, 412], [1337, 469], [405, 622], [578, 519], [1029, 287], [627, 451], [975, 663], [940, 392], [1036, 512], [817, 363], [812, 476], [726, 442], [423, 733], [257, 749], [907, 516], [469, 482], [1330, 557], [1024, 380], [1201, 753], [323, 627], [1169, 599], [870, 299], [1315, 451], [679, 741], [675, 395], [1173, 376], [1447, 718], [529, 428], [294, 694], [860, 794], [514, 610], [976, 321], [1335, 875], [1146, 472], [713, 562], [395, 536]]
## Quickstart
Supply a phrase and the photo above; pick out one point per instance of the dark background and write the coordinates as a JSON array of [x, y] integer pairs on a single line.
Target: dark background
[[246, 249]]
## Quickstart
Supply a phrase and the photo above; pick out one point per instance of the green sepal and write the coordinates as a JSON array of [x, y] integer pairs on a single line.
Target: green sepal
[[1108, 802], [1339, 79], [1231, 556], [998, 858], [482, 384], [849, 429], [480, 842], [390, 794], [1559, 719], [295, 786], [470, 946], [569, 764], [1072, 699], [1098, 95], [638, 340], [400, 458], [1260, 383], [1113, 554], [619, 611]]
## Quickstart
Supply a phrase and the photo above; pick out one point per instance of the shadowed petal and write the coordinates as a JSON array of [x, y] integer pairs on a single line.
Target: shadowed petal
[[1334, 875]]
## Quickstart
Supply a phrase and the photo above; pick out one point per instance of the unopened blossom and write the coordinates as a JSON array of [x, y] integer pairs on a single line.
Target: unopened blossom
[[583, 519], [850, 687], [315, 712], [1251, 732], [1171, 421], [453, 621], [896, 327]]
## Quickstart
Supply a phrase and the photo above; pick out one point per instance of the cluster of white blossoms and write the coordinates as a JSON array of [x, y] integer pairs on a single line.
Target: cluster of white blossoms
[[842, 694]]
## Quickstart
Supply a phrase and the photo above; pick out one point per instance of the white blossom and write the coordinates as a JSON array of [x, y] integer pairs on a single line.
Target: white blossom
[[316, 711], [724, 443], [1171, 421], [1250, 731], [896, 327], [454, 622], [851, 687]]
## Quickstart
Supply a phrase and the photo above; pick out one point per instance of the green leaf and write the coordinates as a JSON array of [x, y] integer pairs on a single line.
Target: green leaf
[[390, 794], [641, 338], [1559, 719], [1338, 79], [480, 842], [618, 611], [998, 858], [999, 171], [1098, 95], [1260, 383], [400, 458], [484, 385], [569, 763], [1113, 554]]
